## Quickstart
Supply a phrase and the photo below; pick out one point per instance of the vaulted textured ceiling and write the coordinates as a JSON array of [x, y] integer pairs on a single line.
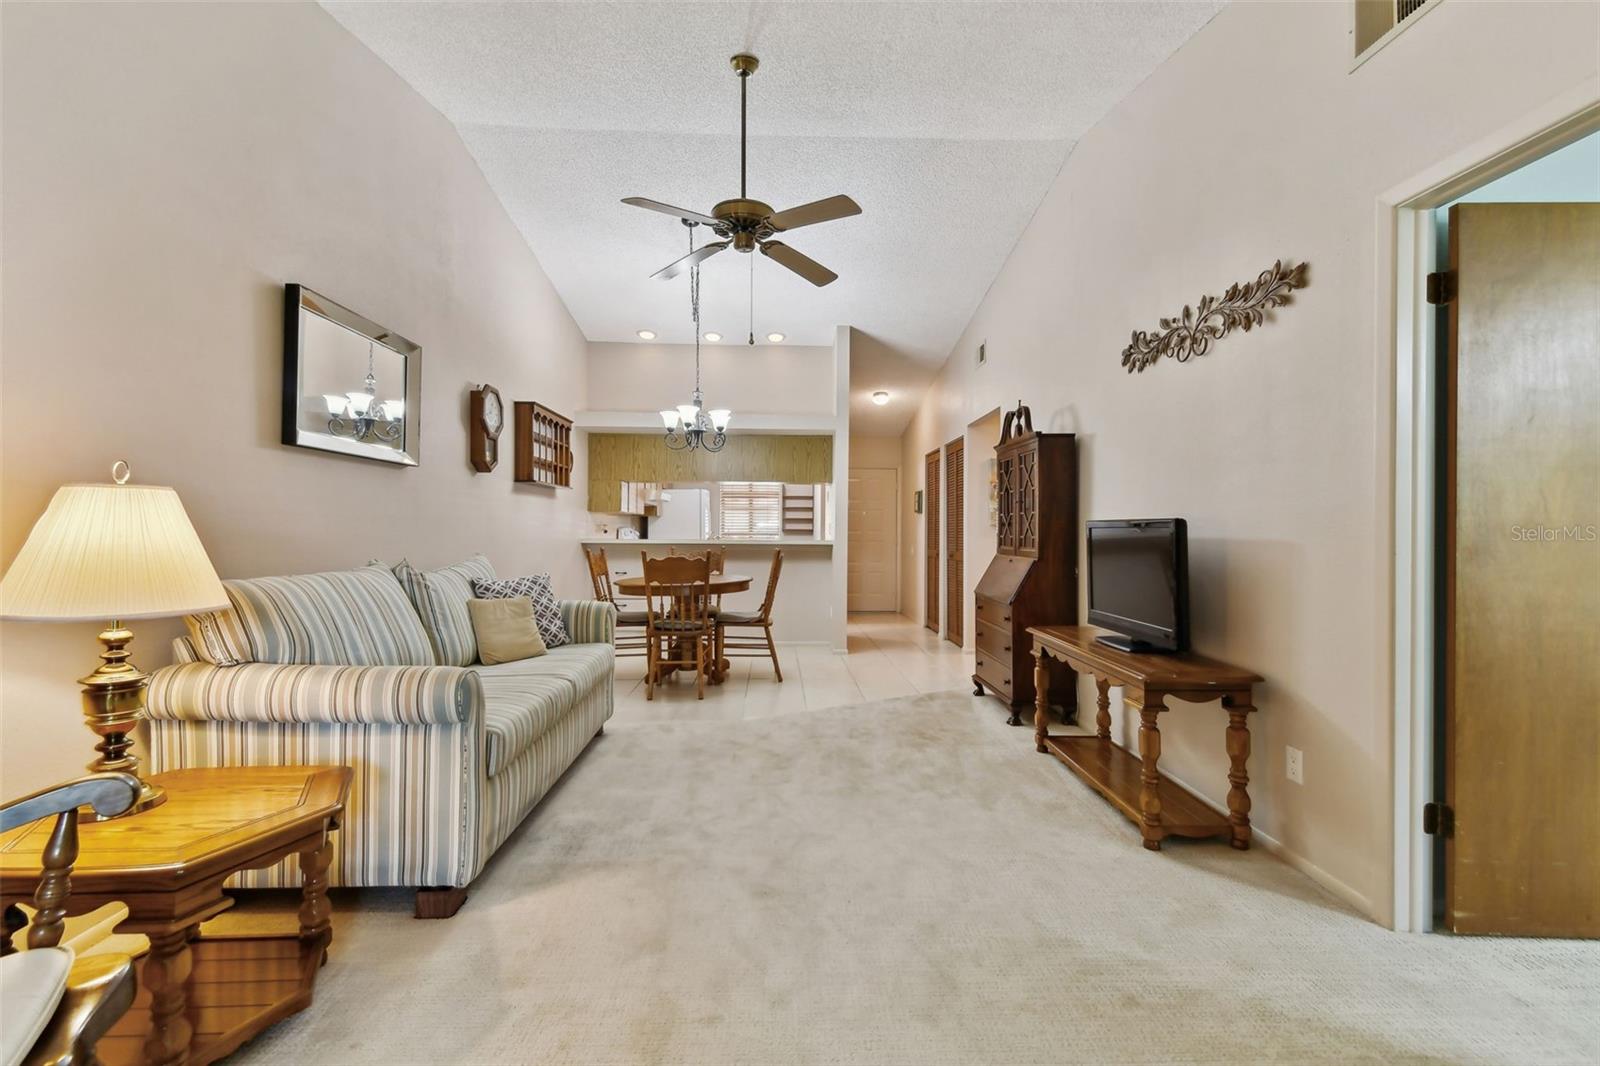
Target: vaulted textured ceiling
[[946, 122]]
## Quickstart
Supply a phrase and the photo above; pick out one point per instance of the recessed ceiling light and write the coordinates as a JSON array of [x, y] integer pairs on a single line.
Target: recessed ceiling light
[[647, 334], [775, 338], [713, 337], [880, 398]]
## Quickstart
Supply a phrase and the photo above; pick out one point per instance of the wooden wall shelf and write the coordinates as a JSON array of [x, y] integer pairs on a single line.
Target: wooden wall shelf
[[544, 446]]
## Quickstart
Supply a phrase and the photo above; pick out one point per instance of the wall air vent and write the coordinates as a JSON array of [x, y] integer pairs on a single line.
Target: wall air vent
[[1374, 23], [983, 353]]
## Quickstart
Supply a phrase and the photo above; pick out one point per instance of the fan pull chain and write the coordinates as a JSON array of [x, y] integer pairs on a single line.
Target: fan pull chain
[[752, 301]]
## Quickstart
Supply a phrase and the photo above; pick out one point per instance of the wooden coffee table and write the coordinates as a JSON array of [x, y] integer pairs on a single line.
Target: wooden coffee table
[[201, 997]]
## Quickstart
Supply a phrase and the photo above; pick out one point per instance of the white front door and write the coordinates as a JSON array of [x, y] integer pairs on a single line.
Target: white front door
[[872, 583]]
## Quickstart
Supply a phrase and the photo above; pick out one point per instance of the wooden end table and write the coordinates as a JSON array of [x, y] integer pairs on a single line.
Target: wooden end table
[[1134, 785], [201, 997]]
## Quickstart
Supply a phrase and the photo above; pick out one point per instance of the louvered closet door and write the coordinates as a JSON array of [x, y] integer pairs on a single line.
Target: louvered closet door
[[955, 598], [930, 540]]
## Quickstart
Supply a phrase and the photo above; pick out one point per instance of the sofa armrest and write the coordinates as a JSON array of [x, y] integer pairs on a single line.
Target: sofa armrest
[[589, 621], [268, 692]]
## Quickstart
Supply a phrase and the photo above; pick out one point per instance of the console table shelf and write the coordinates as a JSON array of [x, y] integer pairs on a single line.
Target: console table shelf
[[1114, 772], [1133, 784]]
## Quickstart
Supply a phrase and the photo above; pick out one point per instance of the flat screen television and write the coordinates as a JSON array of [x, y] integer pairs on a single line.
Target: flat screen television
[[1139, 583]]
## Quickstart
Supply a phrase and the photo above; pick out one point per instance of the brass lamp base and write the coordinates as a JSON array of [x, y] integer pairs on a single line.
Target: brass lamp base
[[113, 704]]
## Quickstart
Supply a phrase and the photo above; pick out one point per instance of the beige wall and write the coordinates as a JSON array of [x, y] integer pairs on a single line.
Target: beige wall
[[768, 378], [1256, 142], [167, 169]]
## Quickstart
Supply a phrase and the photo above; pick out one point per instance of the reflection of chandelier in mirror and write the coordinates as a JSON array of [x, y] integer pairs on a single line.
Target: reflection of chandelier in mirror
[[362, 416], [689, 425]]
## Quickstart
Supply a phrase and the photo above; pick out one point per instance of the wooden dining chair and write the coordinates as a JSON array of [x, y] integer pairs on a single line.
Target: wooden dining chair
[[630, 639], [752, 645], [679, 632]]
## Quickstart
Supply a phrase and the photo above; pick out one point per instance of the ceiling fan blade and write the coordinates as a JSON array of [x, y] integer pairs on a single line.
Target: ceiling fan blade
[[803, 265], [673, 269], [668, 209], [817, 211]]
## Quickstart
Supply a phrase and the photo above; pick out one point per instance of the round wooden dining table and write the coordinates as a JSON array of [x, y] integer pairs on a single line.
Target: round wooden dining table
[[721, 584]]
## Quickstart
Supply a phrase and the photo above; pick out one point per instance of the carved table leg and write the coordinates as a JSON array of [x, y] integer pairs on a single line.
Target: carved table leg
[[1041, 699], [1150, 776], [166, 976], [1238, 779], [1102, 702], [316, 913]]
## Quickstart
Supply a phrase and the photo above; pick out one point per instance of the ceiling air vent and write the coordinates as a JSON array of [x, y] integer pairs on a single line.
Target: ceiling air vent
[[983, 353], [1376, 22]]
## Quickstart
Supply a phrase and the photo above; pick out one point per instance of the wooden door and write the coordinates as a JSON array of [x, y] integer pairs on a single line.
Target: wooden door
[[955, 599], [870, 578], [930, 540], [1522, 624]]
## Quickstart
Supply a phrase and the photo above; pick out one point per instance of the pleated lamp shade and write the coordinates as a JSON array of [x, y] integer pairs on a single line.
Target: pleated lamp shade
[[103, 552]]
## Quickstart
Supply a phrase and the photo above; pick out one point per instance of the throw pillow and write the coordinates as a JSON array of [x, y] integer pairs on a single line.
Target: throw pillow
[[546, 612], [441, 597], [505, 630], [219, 637]]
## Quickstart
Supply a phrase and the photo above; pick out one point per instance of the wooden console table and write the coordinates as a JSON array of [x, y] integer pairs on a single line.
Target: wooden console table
[[1134, 785], [201, 997]]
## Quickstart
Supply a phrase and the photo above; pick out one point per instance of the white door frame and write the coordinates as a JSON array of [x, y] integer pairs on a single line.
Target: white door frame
[[1406, 254]]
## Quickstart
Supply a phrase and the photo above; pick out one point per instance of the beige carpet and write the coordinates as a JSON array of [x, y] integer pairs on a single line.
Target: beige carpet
[[901, 882]]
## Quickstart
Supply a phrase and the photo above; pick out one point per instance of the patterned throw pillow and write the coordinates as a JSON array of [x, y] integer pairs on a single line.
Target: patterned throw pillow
[[546, 612]]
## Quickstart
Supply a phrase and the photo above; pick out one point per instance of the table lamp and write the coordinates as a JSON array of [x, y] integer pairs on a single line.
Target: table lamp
[[115, 552]]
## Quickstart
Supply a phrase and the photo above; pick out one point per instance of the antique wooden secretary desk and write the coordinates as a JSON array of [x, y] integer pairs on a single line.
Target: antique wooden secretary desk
[[1033, 579]]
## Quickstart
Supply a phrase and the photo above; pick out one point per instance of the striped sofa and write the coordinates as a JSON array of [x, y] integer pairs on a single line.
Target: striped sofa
[[377, 669]]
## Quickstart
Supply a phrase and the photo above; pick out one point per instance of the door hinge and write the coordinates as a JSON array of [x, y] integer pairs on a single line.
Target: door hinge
[[1442, 287], [1438, 819]]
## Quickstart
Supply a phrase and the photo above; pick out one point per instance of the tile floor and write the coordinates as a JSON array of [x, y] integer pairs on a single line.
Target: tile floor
[[890, 655]]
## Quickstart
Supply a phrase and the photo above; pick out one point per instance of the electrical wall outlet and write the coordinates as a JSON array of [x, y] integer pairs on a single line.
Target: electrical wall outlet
[[1295, 764]]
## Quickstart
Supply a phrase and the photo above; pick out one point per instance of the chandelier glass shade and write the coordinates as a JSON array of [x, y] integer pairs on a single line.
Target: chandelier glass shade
[[690, 425], [361, 415]]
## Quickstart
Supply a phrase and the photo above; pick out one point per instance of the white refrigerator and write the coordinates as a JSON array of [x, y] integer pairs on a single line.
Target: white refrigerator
[[682, 514]]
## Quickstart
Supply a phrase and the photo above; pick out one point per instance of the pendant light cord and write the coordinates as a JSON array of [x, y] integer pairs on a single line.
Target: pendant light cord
[[694, 314]]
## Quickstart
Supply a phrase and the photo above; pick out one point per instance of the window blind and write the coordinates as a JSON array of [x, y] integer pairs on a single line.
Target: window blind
[[752, 509]]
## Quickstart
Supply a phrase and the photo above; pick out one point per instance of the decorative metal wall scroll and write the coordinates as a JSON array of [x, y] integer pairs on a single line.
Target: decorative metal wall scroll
[[1192, 332]]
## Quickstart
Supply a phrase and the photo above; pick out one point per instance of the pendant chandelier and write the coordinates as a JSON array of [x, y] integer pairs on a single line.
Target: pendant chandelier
[[362, 416], [690, 425]]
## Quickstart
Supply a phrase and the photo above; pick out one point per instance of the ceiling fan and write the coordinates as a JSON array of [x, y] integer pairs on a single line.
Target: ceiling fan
[[750, 224]]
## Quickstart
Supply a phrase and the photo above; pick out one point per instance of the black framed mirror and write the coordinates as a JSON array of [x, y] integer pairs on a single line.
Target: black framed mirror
[[349, 385]]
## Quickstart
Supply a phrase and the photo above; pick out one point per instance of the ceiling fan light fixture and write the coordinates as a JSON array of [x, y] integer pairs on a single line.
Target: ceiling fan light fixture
[[880, 398], [647, 334], [746, 223], [775, 338], [713, 337]]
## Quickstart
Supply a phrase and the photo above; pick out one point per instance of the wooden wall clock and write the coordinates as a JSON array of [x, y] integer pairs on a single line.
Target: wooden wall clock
[[488, 418]]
